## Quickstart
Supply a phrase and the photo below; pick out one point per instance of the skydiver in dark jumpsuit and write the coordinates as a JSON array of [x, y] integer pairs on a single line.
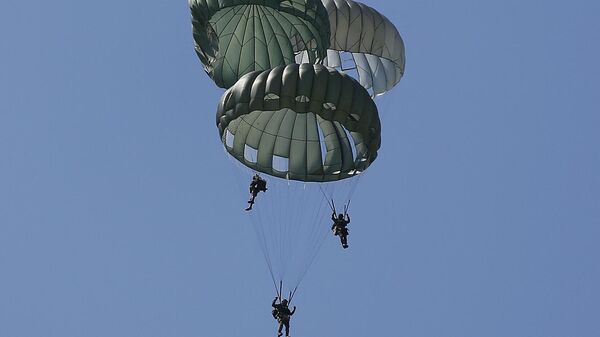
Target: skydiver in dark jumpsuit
[[339, 227], [282, 314], [257, 184]]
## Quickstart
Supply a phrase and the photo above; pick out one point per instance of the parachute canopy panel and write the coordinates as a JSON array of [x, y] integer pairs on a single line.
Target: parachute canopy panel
[[302, 122], [364, 41], [236, 37]]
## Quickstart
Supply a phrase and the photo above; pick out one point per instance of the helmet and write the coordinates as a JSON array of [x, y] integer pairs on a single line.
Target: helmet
[[340, 216]]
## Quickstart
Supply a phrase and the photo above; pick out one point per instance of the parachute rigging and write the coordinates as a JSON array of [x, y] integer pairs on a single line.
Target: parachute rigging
[[315, 142], [291, 223], [310, 127]]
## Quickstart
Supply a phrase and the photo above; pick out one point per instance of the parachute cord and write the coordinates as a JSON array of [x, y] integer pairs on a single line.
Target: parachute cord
[[283, 226], [299, 226], [272, 228], [275, 216], [353, 187], [351, 193], [318, 242], [284, 243], [293, 224], [326, 198], [292, 294], [262, 239], [311, 261], [258, 230], [264, 244]]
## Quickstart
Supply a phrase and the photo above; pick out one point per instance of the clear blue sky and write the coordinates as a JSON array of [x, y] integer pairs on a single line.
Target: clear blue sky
[[481, 216]]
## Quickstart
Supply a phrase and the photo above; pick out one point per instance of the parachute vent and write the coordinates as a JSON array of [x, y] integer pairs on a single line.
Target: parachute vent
[[229, 137], [302, 57], [280, 164], [347, 61], [329, 106], [302, 99], [250, 154], [271, 97]]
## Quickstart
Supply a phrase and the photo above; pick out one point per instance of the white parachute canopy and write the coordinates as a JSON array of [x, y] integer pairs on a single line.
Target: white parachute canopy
[[363, 43]]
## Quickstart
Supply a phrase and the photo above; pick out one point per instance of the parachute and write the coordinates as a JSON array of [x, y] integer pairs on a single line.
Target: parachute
[[235, 37], [302, 122], [365, 42], [291, 221], [300, 78]]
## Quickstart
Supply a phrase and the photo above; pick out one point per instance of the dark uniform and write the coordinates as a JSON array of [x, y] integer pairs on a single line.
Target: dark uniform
[[339, 227], [257, 184], [282, 314]]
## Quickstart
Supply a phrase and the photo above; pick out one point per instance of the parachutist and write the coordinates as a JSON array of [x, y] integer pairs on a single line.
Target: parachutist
[[282, 314], [257, 184], [339, 227]]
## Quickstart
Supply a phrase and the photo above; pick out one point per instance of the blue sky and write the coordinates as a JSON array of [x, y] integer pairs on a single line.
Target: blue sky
[[120, 215]]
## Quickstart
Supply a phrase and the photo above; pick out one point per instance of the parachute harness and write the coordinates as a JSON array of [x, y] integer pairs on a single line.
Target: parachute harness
[[330, 200]]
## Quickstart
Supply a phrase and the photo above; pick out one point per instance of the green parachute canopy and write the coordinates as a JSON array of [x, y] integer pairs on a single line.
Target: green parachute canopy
[[302, 122], [235, 37], [364, 41]]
